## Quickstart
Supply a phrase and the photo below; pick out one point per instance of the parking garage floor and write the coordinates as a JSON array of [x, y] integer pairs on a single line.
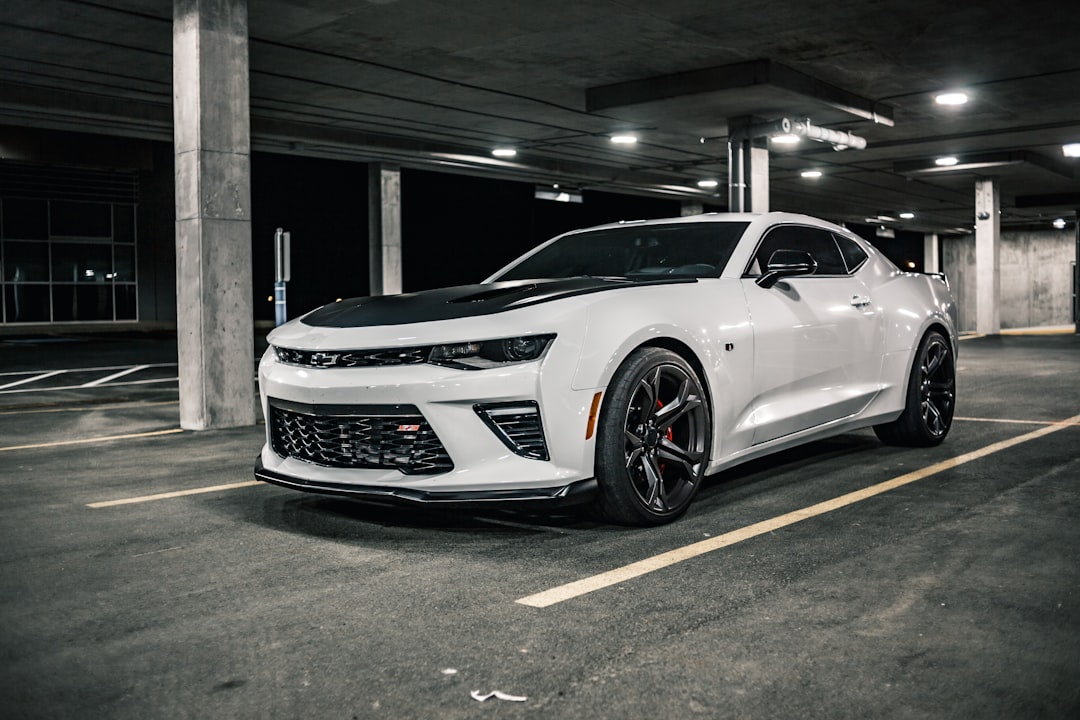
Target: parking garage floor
[[144, 573]]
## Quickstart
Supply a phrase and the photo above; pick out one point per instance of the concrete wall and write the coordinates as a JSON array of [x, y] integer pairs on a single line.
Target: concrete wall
[[1036, 277]]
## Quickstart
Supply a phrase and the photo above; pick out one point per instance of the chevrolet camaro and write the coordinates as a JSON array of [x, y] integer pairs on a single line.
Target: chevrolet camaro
[[616, 366]]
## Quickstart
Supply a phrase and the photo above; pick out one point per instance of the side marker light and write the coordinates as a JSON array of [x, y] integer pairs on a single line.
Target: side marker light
[[593, 412]]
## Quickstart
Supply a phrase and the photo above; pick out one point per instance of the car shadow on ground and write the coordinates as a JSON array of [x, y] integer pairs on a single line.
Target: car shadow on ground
[[352, 521]]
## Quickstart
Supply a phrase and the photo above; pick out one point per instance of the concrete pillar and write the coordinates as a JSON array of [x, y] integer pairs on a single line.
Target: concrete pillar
[[931, 253], [213, 214], [987, 258], [384, 228], [759, 179], [1076, 276], [691, 207], [748, 168]]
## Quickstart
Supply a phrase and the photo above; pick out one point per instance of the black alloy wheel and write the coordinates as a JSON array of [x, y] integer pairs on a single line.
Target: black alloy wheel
[[653, 439], [931, 397]]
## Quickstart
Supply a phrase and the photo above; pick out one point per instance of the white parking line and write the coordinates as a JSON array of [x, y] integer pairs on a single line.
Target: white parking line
[[34, 378], [80, 387], [120, 374], [587, 585], [80, 370]]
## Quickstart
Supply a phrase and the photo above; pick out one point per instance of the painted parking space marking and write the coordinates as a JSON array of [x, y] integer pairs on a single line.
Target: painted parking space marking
[[85, 441], [1007, 421], [87, 408], [587, 585], [174, 494], [114, 376], [34, 380]]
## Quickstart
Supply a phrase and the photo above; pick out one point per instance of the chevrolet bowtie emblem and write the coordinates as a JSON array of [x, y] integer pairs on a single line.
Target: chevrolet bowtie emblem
[[320, 359]]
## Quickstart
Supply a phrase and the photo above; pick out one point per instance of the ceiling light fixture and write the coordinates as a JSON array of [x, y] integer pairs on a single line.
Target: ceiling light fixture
[[708, 183], [811, 173], [947, 161], [556, 194], [1059, 223], [624, 139], [504, 152], [951, 98], [1071, 150], [786, 139], [907, 215]]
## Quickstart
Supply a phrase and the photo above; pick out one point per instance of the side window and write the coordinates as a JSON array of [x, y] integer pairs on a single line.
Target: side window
[[854, 256], [817, 242]]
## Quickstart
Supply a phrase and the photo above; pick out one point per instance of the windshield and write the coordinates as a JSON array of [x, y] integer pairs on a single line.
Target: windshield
[[699, 249]]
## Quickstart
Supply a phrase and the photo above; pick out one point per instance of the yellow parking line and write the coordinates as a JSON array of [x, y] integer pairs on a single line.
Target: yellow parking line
[[176, 494], [663, 560], [1008, 421], [88, 408], [84, 441]]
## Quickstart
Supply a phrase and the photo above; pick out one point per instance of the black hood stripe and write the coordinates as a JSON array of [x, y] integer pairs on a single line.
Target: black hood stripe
[[464, 301]]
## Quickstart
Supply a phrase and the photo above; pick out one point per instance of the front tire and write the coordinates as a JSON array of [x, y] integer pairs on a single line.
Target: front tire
[[653, 439], [931, 397]]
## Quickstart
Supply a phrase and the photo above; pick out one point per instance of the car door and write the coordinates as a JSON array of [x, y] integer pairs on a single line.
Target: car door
[[818, 338]]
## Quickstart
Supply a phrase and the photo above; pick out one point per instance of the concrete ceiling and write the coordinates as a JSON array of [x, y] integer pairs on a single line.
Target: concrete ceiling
[[439, 83]]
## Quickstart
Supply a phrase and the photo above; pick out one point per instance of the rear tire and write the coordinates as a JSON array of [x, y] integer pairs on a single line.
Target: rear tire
[[653, 439], [931, 397]]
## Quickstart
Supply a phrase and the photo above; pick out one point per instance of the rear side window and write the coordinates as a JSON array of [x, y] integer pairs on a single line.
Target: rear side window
[[816, 241], [854, 256]]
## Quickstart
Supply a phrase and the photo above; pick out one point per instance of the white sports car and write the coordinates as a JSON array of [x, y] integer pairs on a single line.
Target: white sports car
[[616, 365]]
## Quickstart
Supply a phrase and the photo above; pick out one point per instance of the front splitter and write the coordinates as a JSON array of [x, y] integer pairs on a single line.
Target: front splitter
[[576, 493]]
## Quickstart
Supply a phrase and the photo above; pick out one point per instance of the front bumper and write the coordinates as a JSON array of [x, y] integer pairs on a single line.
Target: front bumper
[[575, 493], [462, 417]]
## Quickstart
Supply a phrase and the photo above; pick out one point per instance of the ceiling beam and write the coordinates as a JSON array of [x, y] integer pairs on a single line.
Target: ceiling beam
[[752, 73]]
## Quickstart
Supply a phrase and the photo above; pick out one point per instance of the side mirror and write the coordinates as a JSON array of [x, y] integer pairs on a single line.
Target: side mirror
[[787, 263]]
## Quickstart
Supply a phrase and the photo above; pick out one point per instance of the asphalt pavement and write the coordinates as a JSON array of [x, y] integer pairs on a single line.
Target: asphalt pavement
[[145, 574]]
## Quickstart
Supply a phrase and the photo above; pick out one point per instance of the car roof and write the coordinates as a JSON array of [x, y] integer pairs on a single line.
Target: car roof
[[771, 218]]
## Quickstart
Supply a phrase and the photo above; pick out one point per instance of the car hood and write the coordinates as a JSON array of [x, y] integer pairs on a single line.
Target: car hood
[[463, 301]]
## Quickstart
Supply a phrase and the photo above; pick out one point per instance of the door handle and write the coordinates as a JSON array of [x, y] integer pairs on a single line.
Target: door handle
[[860, 300]]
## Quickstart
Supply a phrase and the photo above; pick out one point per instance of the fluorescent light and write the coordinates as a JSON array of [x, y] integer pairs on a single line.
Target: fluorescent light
[[1059, 223], [946, 161], [886, 218], [708, 183], [1071, 150], [951, 98], [504, 152], [811, 173], [787, 139], [907, 215], [624, 139], [543, 192]]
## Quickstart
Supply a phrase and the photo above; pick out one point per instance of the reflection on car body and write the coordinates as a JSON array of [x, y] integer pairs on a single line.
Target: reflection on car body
[[615, 365]]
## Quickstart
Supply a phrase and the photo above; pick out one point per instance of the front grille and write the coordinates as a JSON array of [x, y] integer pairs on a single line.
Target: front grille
[[387, 437], [518, 426], [380, 357]]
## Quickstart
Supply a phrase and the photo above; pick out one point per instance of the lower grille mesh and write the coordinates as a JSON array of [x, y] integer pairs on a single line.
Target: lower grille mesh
[[389, 437]]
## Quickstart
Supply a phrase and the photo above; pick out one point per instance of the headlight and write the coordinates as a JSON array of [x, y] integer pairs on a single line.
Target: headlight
[[490, 353]]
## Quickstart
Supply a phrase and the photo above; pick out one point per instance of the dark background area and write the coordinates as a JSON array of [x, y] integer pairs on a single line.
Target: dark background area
[[456, 229]]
